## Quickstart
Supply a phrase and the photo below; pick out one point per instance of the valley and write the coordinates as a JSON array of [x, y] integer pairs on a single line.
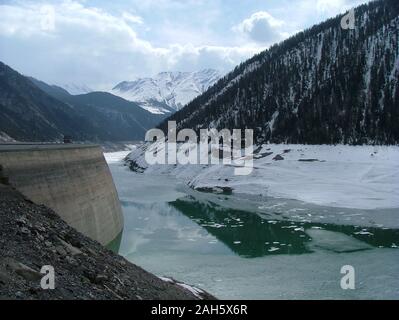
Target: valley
[[242, 154]]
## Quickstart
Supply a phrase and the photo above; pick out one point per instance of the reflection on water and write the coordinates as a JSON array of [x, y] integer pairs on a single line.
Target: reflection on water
[[249, 235], [237, 247], [246, 234]]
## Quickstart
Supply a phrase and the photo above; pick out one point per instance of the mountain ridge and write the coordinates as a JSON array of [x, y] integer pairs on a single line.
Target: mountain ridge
[[31, 110], [167, 91], [75, 89], [323, 85]]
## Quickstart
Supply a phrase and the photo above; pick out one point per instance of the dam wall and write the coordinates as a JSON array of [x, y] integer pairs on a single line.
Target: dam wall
[[73, 180]]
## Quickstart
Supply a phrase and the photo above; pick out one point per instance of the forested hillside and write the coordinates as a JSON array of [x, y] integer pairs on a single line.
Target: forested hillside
[[323, 85]]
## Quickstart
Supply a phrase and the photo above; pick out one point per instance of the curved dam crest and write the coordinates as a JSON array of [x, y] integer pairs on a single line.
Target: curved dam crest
[[73, 180]]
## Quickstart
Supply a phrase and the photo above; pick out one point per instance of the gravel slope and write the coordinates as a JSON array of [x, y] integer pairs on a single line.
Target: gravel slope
[[32, 236]]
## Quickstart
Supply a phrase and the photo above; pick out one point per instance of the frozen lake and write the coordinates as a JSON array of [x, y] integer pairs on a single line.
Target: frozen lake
[[255, 248]]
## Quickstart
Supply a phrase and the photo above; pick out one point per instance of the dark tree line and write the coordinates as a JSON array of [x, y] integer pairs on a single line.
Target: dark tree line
[[323, 85]]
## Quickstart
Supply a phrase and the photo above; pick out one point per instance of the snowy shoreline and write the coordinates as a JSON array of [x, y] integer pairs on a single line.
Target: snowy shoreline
[[358, 177]]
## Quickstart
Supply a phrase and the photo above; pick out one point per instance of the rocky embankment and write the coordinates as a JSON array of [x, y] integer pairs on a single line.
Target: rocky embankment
[[32, 236]]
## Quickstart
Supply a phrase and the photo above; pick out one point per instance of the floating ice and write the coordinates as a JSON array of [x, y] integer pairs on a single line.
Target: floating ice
[[335, 241]]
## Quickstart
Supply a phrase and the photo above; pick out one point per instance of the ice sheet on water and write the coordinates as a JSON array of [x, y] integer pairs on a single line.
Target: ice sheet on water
[[362, 177], [335, 241]]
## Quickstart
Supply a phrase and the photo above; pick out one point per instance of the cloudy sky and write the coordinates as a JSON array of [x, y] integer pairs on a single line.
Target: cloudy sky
[[100, 42]]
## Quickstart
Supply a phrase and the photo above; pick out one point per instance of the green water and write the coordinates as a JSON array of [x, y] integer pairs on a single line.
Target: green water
[[239, 248], [115, 244], [250, 236]]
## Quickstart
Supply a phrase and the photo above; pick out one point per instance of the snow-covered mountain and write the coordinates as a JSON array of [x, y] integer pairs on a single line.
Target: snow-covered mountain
[[75, 89], [167, 91]]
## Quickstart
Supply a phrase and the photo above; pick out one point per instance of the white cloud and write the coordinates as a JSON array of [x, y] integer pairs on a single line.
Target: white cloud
[[69, 41], [262, 27], [89, 45], [333, 7], [128, 17]]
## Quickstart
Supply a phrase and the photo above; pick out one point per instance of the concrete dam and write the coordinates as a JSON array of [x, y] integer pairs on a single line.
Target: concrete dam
[[73, 180]]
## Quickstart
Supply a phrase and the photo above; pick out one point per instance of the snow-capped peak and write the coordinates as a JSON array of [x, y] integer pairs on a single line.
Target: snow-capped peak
[[167, 91], [75, 89]]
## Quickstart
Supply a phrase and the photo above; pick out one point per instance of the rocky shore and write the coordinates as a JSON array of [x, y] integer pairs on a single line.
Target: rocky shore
[[32, 236]]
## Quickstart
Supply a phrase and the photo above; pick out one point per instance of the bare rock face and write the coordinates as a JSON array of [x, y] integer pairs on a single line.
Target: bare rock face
[[33, 236]]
